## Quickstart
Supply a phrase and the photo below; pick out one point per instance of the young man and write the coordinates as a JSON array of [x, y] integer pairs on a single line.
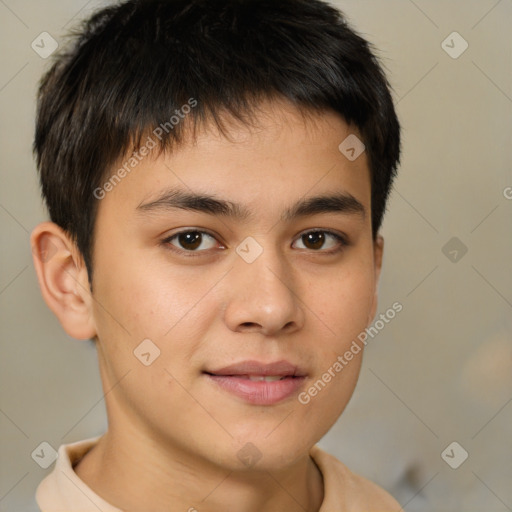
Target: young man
[[216, 174]]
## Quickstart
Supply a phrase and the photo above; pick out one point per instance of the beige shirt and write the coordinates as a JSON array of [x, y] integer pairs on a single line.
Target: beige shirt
[[344, 491]]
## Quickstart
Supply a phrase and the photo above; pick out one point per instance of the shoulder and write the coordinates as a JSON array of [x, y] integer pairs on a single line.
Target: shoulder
[[62, 490], [343, 488], [373, 497]]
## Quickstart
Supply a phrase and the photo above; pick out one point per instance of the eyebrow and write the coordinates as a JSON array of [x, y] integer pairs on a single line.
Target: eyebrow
[[176, 198]]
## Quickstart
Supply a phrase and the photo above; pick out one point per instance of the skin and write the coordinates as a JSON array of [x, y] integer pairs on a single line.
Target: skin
[[173, 435]]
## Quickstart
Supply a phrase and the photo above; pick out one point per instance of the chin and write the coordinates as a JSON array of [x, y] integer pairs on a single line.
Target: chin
[[268, 452]]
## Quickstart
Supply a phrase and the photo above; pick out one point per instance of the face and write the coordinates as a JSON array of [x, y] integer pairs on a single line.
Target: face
[[257, 278]]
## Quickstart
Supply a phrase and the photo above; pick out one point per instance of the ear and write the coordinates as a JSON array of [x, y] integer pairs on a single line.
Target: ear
[[63, 279], [378, 250]]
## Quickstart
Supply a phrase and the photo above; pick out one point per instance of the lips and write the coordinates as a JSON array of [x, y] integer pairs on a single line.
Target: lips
[[259, 383], [245, 368]]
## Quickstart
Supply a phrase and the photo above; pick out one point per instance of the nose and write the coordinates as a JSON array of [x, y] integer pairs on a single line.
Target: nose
[[263, 297]]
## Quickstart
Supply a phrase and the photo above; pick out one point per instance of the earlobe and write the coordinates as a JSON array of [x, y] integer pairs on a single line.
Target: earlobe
[[378, 251], [63, 279]]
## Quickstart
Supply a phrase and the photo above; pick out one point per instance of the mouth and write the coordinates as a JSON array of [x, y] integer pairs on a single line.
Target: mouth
[[259, 383], [274, 370], [256, 378]]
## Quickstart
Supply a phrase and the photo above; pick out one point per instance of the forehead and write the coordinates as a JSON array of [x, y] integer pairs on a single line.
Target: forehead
[[282, 155]]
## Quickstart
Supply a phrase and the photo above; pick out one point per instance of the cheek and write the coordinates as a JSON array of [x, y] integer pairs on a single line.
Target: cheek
[[344, 304], [128, 286], [327, 396], [137, 299]]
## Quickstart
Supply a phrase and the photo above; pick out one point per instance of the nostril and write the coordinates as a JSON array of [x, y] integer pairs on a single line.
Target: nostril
[[250, 325]]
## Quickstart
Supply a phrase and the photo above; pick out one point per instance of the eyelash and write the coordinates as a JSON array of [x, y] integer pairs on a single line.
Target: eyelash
[[342, 241]]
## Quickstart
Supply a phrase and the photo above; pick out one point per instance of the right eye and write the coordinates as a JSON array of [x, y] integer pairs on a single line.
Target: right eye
[[189, 241]]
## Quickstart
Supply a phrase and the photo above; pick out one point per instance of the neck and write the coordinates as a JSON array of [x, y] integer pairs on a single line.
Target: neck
[[134, 472]]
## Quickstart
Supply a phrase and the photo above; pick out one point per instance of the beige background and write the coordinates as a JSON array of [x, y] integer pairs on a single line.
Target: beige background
[[441, 371]]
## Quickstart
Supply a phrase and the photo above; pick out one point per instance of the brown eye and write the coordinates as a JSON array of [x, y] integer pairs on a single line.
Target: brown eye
[[314, 240], [189, 241], [317, 240]]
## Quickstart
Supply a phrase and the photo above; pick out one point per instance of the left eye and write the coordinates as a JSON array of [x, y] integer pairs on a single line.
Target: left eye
[[317, 239]]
